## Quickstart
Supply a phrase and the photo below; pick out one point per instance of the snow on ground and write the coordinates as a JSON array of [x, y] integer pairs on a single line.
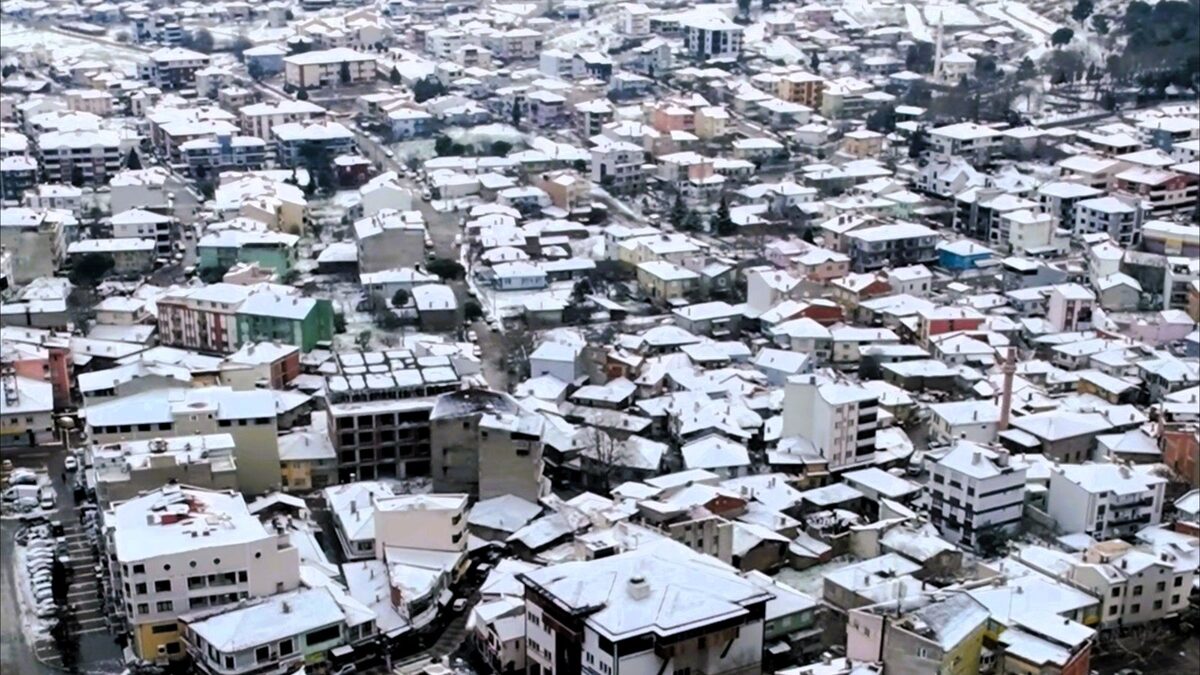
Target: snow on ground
[[596, 36], [56, 46], [487, 134], [35, 629]]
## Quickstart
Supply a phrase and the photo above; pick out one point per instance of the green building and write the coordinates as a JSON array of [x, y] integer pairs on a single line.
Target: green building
[[271, 250], [290, 319]]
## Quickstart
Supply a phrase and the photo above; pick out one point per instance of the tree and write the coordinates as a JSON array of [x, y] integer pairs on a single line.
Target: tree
[[445, 269], [919, 58], [814, 61], [743, 8], [604, 457], [132, 161], [882, 120], [1027, 70], [1062, 36], [1100, 24], [679, 211], [394, 76], [339, 323], [77, 177], [363, 339], [213, 275], [918, 143], [201, 41], [301, 94], [122, 36], [723, 223], [239, 46], [400, 297], [991, 543], [1082, 10], [426, 88], [516, 116], [344, 73], [472, 311], [255, 70], [692, 222], [500, 148], [91, 268], [581, 290]]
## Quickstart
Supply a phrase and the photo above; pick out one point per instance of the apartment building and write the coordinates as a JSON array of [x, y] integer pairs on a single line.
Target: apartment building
[[839, 420], [129, 256], [328, 68], [36, 241], [968, 140], [382, 430], [432, 522], [1167, 193], [390, 239], [976, 489], [209, 156], [895, 245], [273, 635], [632, 623], [1070, 307], [294, 140], [286, 317], [801, 87], [617, 165], [179, 549], [203, 318], [1104, 501], [259, 118], [1121, 217], [710, 36], [81, 156], [486, 445], [938, 633], [143, 224], [1058, 199], [1135, 585], [172, 67], [248, 416], [124, 470]]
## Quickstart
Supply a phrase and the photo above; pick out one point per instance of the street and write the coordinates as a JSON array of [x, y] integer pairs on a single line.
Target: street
[[97, 649]]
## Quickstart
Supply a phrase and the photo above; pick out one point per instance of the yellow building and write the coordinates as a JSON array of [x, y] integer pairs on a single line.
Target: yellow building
[[863, 143], [711, 122], [328, 68], [663, 281], [800, 87]]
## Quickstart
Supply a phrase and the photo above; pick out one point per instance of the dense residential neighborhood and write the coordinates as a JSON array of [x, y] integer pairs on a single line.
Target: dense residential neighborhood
[[596, 337]]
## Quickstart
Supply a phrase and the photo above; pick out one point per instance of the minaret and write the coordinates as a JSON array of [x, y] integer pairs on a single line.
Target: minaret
[[1009, 368]]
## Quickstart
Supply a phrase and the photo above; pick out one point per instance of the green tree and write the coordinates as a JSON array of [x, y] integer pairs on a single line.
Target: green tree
[[132, 161], [91, 268], [363, 339], [1082, 10], [255, 70], [580, 292], [472, 311], [1100, 24], [723, 223], [991, 543], [445, 269], [239, 46], [918, 143], [400, 297], [743, 8], [500, 148], [692, 222], [339, 323], [679, 211], [301, 94], [814, 61], [213, 275], [1062, 36], [344, 72], [516, 116], [426, 88], [202, 41], [882, 120], [394, 76], [1027, 70], [919, 57]]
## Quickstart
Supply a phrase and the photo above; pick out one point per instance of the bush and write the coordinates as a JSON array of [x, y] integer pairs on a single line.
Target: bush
[[472, 311], [91, 268], [445, 269]]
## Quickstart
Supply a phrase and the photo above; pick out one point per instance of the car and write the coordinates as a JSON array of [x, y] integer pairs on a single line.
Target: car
[[46, 502], [495, 327], [389, 154], [426, 195], [70, 463], [190, 270], [160, 263], [177, 257], [472, 336], [459, 605]]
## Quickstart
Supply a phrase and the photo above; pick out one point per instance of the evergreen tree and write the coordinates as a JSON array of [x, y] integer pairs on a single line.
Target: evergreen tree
[[132, 161], [679, 212], [1026, 71], [394, 76], [1082, 10], [516, 116], [814, 61], [918, 143], [723, 224]]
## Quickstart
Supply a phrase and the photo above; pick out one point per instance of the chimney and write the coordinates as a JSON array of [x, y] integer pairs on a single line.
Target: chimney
[[976, 457], [1002, 457], [638, 588], [287, 607]]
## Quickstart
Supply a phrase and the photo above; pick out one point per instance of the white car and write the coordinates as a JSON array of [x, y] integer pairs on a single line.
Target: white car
[[46, 502], [70, 463]]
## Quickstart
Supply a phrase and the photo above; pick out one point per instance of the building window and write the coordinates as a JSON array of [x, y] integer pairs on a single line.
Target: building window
[[262, 654], [1137, 590], [139, 588], [286, 647], [143, 608], [1158, 604], [164, 628], [162, 586], [1134, 609], [1160, 586], [1113, 610], [164, 606], [1116, 592], [1178, 582], [139, 569]]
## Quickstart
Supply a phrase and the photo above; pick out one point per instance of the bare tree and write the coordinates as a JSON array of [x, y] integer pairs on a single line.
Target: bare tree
[[604, 457]]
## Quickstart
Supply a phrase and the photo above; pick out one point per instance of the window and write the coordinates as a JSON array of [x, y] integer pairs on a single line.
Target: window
[[143, 608], [139, 588], [241, 576], [164, 606], [164, 628], [322, 635], [1113, 610], [922, 653], [1160, 587], [139, 569], [229, 663], [1174, 600], [162, 586], [286, 647], [1158, 604], [1116, 592], [1178, 582], [1137, 590], [262, 654], [1134, 609], [173, 648]]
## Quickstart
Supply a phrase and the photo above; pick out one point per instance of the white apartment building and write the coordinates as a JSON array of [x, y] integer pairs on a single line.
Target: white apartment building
[[709, 36], [88, 156], [172, 67], [634, 20], [143, 224], [965, 139], [433, 522], [390, 239], [1104, 500], [258, 118], [55, 196], [179, 549], [974, 489], [617, 165], [914, 280], [1120, 217], [1134, 585], [840, 420], [443, 42], [632, 618], [1069, 307], [328, 68], [973, 421]]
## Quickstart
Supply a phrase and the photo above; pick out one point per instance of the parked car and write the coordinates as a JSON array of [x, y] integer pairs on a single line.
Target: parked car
[[70, 463]]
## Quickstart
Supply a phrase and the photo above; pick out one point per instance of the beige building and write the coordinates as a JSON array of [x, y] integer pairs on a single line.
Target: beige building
[[663, 281], [123, 470], [434, 522], [247, 416], [180, 549], [258, 118], [328, 68]]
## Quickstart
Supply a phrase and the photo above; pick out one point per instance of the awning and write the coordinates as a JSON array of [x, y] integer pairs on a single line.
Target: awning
[[445, 597], [779, 649]]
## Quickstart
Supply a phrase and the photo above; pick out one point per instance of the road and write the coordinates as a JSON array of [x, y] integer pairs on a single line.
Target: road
[[98, 651]]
